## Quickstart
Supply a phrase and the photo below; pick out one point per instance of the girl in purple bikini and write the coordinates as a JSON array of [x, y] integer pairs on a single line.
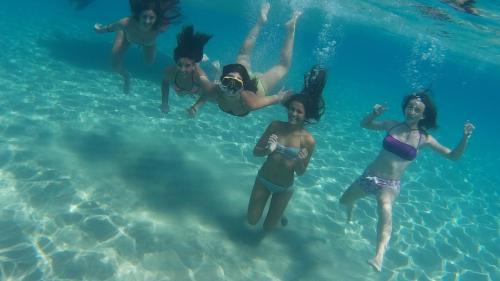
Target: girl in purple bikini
[[400, 147]]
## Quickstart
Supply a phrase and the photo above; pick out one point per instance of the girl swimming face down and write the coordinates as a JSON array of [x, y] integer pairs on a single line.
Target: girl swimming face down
[[147, 19], [231, 84]]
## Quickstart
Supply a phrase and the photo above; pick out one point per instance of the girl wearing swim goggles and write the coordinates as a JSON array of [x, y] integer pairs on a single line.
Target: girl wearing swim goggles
[[231, 84], [239, 92]]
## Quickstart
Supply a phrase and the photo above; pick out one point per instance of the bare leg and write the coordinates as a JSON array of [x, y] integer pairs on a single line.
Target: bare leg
[[279, 201], [247, 46], [149, 54], [276, 73], [258, 201], [120, 46], [384, 227], [348, 199]]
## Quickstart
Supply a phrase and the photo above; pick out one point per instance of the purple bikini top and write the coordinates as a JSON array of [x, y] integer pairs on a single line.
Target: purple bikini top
[[400, 148]]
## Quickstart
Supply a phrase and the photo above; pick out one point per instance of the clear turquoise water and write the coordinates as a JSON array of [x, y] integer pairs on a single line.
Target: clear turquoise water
[[95, 185]]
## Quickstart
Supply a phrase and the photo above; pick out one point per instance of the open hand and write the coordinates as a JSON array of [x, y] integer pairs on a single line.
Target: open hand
[[303, 153], [379, 109], [100, 28], [468, 129], [283, 95], [272, 142]]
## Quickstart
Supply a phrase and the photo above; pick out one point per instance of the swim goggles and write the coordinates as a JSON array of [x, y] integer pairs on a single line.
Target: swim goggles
[[231, 83]]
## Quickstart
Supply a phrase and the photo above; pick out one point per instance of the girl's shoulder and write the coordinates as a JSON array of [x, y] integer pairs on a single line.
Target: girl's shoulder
[[126, 21], [390, 124], [426, 138], [308, 137]]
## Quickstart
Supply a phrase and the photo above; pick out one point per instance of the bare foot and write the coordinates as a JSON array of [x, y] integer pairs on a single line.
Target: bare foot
[[264, 10], [290, 24], [376, 264], [164, 107], [191, 112]]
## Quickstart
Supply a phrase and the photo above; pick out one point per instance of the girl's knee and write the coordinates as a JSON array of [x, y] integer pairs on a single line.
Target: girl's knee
[[343, 200], [347, 198], [281, 70], [252, 220], [253, 216], [385, 207], [285, 67]]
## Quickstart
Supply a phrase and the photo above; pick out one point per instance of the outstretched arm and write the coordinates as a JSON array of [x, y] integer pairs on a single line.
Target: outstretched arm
[[254, 101], [192, 110], [112, 27], [457, 152], [165, 91], [370, 122], [208, 87], [200, 77], [165, 88]]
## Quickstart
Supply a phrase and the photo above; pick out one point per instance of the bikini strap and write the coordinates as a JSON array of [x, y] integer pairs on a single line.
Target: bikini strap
[[419, 138], [403, 123], [419, 132]]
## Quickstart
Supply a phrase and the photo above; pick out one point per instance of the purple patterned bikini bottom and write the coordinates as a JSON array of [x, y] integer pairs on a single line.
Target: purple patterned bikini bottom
[[373, 184]]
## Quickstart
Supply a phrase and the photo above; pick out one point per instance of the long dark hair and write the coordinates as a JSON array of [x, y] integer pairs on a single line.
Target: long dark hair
[[167, 11], [190, 44], [249, 84], [430, 111], [311, 95]]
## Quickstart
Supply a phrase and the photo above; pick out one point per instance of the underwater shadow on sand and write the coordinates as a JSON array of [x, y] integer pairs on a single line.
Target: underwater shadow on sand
[[161, 173], [168, 182]]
